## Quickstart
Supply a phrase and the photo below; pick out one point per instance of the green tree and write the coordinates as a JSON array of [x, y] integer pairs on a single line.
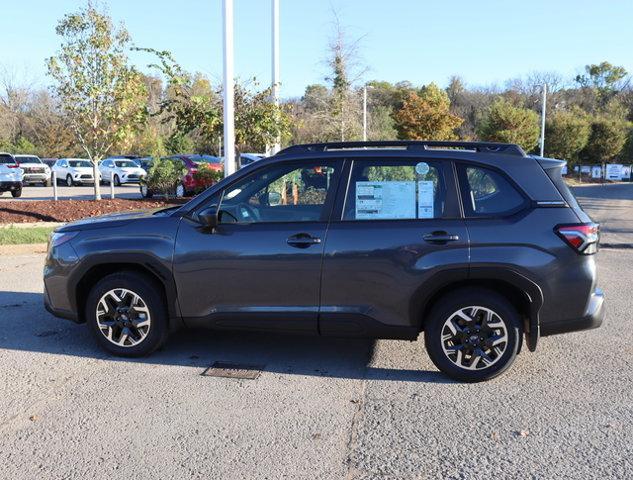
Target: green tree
[[607, 139], [604, 78], [426, 116], [567, 133], [507, 123], [195, 109], [102, 97]]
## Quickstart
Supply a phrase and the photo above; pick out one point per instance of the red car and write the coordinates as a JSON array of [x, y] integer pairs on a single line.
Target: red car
[[190, 185], [192, 163]]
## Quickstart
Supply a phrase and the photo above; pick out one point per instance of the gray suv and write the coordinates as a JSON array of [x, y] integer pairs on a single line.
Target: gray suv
[[478, 245]]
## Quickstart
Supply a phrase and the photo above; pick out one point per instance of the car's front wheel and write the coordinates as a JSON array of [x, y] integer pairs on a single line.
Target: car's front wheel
[[473, 334], [127, 315], [145, 191], [69, 181]]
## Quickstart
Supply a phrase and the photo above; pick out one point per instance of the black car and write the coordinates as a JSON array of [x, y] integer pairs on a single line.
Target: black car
[[478, 245]]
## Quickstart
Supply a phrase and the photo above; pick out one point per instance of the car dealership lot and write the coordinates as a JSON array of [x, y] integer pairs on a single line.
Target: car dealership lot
[[78, 192], [321, 408]]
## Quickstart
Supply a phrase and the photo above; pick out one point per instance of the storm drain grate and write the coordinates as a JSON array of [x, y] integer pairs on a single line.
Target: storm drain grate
[[233, 370]]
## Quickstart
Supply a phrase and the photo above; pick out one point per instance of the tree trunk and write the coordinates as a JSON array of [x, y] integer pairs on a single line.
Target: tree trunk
[[95, 175]]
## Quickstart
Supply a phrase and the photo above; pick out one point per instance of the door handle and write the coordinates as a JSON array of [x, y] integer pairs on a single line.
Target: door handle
[[440, 237], [302, 240]]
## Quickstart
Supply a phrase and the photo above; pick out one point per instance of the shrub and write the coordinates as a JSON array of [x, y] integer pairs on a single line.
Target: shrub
[[164, 176]]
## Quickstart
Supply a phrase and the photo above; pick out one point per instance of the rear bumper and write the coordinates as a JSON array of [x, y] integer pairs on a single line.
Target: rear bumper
[[593, 318], [9, 186]]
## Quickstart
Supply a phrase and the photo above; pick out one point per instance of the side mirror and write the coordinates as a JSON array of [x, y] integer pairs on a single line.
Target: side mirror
[[209, 216]]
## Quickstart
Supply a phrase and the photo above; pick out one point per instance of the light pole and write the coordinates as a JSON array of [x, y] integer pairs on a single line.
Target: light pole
[[365, 87], [275, 63], [229, 87], [544, 106]]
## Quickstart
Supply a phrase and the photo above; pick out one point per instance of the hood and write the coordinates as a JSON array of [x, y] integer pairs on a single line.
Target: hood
[[132, 170], [81, 169], [107, 221], [31, 165]]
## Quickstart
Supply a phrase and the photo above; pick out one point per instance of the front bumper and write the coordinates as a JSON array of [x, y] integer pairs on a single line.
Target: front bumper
[[10, 186], [593, 318], [67, 314], [35, 177]]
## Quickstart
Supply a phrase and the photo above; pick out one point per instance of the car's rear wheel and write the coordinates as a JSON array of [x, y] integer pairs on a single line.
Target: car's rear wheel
[[127, 315], [17, 193], [145, 191], [473, 334]]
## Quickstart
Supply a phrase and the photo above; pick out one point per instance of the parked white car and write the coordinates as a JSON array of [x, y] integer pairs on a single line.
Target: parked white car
[[10, 175], [121, 170], [35, 171], [73, 171]]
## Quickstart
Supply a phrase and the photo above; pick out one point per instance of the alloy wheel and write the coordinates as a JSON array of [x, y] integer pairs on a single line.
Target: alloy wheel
[[474, 338], [123, 317]]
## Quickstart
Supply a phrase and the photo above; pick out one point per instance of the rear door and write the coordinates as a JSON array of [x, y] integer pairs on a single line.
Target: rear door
[[396, 237]]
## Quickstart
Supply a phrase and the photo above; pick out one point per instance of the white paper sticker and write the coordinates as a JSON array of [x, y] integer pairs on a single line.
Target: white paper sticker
[[422, 168], [385, 200], [425, 199]]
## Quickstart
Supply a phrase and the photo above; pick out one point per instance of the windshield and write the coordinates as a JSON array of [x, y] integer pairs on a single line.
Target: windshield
[[205, 159], [28, 160], [125, 164], [79, 163]]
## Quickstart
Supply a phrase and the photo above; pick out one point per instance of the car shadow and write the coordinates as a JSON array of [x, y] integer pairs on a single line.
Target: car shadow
[[26, 326]]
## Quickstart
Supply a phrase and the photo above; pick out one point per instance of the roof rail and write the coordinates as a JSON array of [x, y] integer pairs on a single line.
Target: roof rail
[[487, 147]]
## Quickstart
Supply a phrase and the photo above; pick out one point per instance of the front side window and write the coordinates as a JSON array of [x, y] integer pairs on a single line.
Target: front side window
[[486, 192], [281, 193], [395, 189]]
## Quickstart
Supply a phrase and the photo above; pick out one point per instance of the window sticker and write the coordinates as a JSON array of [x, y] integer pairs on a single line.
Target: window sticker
[[422, 168], [385, 200], [425, 199]]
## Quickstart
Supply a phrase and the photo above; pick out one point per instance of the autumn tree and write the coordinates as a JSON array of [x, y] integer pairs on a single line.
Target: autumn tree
[[604, 78], [426, 116], [101, 95], [507, 123], [567, 133]]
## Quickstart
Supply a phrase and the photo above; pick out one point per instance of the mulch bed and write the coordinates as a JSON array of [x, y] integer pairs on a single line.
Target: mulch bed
[[28, 211]]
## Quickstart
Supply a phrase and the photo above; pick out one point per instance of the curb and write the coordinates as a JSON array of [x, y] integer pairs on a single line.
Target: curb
[[32, 224], [23, 249]]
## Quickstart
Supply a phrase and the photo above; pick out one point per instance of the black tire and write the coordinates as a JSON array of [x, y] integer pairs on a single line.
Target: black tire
[[16, 193], [69, 181], [46, 183], [145, 191], [454, 302], [117, 181], [151, 294]]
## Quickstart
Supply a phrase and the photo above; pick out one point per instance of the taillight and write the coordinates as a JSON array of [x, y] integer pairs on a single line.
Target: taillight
[[12, 165], [582, 237]]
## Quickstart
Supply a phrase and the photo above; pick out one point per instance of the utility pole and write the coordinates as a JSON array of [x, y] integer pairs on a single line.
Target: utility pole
[[275, 64], [544, 105], [364, 113], [229, 87]]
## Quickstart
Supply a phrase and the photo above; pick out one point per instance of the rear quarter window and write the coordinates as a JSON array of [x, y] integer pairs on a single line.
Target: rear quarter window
[[488, 193]]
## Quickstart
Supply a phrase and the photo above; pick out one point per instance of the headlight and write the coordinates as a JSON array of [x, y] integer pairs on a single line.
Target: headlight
[[59, 238]]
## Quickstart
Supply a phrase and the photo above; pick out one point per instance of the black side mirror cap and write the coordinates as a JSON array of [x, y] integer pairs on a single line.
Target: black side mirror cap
[[209, 216]]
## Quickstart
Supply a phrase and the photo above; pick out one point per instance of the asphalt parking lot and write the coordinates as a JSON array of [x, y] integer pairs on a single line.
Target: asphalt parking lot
[[79, 192], [321, 408]]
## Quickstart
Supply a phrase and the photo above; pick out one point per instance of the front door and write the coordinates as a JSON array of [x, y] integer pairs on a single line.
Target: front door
[[260, 268], [396, 236]]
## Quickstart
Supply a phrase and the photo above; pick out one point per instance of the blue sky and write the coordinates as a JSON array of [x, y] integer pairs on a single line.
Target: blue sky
[[421, 41]]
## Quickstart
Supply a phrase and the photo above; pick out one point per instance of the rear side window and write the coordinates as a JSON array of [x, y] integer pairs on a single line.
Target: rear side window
[[7, 159], [486, 193], [395, 189]]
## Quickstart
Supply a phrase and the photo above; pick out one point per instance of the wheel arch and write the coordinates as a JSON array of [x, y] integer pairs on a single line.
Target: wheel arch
[[517, 288], [93, 271]]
